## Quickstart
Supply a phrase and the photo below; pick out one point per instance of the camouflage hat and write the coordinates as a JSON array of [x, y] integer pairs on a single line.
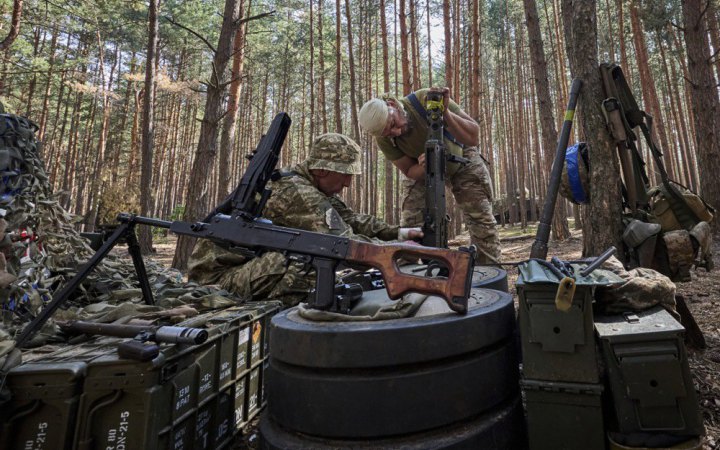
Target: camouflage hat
[[335, 152]]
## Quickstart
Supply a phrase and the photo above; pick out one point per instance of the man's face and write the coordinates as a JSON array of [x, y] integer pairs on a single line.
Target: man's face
[[397, 122], [331, 183]]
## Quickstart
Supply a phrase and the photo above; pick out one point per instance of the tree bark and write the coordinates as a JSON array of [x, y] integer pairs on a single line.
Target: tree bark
[[148, 127], [338, 65], [705, 103], [14, 25], [321, 63], [227, 138], [648, 86], [197, 193], [404, 50], [448, 48], [545, 109], [603, 227]]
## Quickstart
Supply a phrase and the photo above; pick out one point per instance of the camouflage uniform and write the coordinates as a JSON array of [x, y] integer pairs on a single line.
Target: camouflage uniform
[[470, 184], [296, 203]]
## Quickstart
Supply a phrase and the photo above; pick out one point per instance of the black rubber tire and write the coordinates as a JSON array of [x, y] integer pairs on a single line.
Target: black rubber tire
[[369, 403], [500, 429], [486, 277], [342, 345]]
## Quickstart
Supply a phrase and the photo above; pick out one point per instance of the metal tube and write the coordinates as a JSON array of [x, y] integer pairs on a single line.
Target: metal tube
[[539, 247]]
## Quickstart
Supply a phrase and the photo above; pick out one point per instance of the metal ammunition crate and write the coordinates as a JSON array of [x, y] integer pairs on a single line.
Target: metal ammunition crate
[[564, 416], [43, 410], [189, 397], [557, 345], [648, 373]]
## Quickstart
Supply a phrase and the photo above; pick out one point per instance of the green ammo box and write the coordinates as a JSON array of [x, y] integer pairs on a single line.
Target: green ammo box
[[564, 416], [558, 345], [224, 425], [139, 404], [43, 408], [648, 373]]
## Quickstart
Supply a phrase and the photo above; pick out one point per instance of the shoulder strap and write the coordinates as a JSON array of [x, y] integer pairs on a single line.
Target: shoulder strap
[[616, 86], [415, 102]]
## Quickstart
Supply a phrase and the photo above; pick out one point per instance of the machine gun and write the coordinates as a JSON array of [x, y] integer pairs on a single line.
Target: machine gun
[[236, 224], [143, 345], [435, 215], [435, 218]]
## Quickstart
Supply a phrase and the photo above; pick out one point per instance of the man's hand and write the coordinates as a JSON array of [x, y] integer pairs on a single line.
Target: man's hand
[[412, 234], [421, 161]]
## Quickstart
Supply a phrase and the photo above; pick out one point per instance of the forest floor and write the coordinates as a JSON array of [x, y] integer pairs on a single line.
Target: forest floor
[[702, 296]]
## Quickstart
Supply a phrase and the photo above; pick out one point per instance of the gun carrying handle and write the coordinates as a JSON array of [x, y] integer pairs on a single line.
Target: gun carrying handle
[[455, 289]]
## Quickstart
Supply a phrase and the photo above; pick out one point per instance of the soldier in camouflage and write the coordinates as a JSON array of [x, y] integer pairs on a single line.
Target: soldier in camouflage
[[400, 132], [305, 198]]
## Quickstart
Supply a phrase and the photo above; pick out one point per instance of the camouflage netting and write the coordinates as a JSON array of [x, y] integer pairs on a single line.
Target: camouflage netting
[[40, 250], [115, 200]]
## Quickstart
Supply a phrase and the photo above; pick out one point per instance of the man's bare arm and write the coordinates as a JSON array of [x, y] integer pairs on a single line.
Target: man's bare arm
[[461, 125], [411, 167]]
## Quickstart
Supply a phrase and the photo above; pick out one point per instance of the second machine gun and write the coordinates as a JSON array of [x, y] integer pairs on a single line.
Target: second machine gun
[[435, 218]]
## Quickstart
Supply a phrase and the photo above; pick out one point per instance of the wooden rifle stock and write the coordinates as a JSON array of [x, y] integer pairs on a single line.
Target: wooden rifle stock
[[455, 289]]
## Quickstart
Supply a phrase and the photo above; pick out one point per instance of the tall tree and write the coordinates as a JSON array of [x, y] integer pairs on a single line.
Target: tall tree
[[197, 198], [148, 127], [227, 138], [14, 25], [545, 108], [603, 227], [648, 84], [705, 103]]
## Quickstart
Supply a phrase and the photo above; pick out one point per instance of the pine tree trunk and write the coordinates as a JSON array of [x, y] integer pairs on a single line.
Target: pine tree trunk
[[338, 65], [705, 103], [603, 227], [227, 138], [448, 47], [197, 194], [545, 108], [321, 63], [148, 127], [404, 50]]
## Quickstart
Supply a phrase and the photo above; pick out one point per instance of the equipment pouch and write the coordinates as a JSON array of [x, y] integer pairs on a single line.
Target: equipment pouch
[[664, 214]]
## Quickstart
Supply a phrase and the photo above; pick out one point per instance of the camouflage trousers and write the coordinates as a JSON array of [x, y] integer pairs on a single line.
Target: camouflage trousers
[[266, 277], [472, 190]]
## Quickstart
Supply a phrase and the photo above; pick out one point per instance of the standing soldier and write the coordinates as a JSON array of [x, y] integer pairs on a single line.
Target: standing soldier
[[400, 129], [305, 198]]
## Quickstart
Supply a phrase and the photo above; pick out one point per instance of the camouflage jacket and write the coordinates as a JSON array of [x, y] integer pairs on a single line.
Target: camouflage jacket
[[297, 203]]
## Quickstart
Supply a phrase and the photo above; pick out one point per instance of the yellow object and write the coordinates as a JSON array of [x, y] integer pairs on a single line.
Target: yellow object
[[565, 294], [435, 104]]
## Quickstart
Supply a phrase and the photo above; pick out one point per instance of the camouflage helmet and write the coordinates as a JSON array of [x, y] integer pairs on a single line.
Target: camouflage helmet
[[335, 152]]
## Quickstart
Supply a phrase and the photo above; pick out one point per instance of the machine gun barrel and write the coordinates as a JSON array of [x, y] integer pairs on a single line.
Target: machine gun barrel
[[166, 334]]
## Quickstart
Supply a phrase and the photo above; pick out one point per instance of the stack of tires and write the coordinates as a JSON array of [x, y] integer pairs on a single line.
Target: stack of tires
[[436, 380]]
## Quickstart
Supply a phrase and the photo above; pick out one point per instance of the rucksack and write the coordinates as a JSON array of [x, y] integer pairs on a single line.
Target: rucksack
[[681, 241]]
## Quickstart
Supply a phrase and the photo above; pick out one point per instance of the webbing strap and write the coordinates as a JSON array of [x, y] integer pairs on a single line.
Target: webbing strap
[[423, 113], [616, 86]]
